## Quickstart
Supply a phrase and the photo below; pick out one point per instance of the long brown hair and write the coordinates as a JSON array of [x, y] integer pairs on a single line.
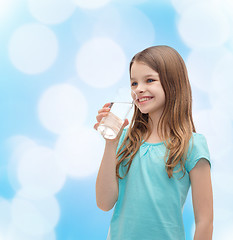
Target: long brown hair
[[176, 116]]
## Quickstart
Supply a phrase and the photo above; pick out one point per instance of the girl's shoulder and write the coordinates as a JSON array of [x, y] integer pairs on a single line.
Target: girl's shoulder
[[198, 137], [197, 134], [198, 148], [197, 142]]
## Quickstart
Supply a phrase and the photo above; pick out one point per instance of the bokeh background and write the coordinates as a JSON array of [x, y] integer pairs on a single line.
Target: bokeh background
[[61, 61]]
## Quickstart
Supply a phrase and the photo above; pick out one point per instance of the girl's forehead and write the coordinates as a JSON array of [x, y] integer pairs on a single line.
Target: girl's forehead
[[139, 69]]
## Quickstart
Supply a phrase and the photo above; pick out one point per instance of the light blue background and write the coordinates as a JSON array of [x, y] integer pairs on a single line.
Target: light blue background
[[20, 94]]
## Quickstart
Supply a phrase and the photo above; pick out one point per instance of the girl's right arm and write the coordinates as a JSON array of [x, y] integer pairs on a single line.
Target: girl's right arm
[[107, 181]]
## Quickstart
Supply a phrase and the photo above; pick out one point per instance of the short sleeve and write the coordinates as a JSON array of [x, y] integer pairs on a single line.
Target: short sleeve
[[198, 149]]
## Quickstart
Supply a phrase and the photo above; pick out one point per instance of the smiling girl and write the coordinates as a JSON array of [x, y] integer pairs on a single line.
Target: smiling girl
[[147, 170]]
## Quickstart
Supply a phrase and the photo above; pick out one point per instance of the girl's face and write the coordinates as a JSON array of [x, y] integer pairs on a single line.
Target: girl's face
[[145, 82]]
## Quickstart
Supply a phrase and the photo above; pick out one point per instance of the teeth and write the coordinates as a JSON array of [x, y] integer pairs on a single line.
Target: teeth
[[143, 99]]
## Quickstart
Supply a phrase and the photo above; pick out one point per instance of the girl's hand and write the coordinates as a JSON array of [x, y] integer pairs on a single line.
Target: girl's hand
[[103, 112]]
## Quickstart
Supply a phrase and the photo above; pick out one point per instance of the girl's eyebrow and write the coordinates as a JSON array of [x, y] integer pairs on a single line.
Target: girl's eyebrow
[[146, 76]]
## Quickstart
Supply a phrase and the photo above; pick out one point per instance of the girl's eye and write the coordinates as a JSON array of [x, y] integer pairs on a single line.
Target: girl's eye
[[133, 84], [150, 80]]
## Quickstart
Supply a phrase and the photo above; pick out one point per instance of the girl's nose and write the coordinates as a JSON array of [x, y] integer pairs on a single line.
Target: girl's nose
[[139, 89], [136, 92]]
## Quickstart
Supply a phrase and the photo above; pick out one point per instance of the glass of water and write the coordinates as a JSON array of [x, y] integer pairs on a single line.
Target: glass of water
[[110, 125]]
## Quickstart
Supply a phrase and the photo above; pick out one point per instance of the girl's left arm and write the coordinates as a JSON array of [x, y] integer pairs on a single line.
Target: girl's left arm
[[202, 197]]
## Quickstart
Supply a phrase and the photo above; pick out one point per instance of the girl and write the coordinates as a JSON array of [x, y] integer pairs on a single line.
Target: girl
[[148, 169]]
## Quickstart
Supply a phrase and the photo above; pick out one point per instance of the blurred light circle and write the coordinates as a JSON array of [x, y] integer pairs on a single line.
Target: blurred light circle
[[89, 4], [62, 108], [227, 6], [182, 5], [220, 181], [219, 139], [201, 64], [5, 7], [200, 119], [18, 146], [101, 62], [5, 216], [15, 234], [33, 48], [136, 31], [79, 153], [80, 22], [107, 22], [203, 25], [20, 143], [132, 2], [37, 217], [223, 213], [39, 174], [221, 88], [223, 231], [223, 198], [51, 11]]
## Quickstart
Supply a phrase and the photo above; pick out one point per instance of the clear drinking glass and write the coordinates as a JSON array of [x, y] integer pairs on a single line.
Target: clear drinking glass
[[110, 125]]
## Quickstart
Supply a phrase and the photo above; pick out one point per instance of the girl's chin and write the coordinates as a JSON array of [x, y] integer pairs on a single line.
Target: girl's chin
[[144, 112], [142, 109]]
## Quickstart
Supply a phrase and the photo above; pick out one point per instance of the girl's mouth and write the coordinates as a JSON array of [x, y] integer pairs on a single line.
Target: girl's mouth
[[144, 100]]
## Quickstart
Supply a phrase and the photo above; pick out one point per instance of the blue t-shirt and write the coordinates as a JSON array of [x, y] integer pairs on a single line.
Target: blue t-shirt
[[150, 205]]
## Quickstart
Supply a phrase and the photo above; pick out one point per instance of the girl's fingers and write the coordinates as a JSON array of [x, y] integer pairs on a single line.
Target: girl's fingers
[[100, 116], [96, 126], [106, 105], [104, 110]]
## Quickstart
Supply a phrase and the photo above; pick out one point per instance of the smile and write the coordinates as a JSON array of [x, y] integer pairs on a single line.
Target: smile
[[144, 99]]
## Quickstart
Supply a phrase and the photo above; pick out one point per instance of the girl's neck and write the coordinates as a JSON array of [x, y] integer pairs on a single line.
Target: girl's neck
[[153, 137], [153, 124]]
